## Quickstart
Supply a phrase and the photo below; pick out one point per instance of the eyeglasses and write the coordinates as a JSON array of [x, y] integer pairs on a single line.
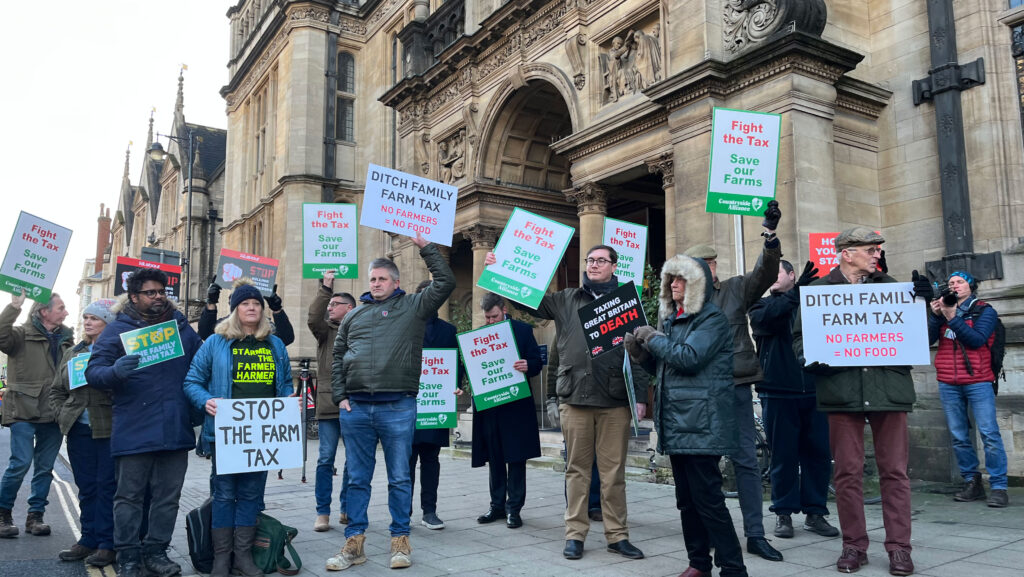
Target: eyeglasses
[[597, 261], [869, 251], [152, 293], [333, 304]]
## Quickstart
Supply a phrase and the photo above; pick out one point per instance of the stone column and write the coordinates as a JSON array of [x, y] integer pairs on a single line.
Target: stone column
[[591, 202], [444, 313], [665, 166], [483, 238]]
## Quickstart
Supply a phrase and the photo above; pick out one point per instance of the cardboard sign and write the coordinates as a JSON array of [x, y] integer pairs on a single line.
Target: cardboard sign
[[627, 374], [404, 203], [124, 267], [76, 370], [744, 161], [488, 354], [528, 253], [630, 241], [257, 435], [864, 325], [435, 403], [607, 320], [235, 265], [330, 240], [34, 257], [155, 344]]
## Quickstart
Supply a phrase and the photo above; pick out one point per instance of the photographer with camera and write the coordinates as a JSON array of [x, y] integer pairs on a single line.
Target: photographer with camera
[[965, 327]]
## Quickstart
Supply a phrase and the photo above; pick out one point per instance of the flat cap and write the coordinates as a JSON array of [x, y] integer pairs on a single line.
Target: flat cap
[[702, 251], [857, 236]]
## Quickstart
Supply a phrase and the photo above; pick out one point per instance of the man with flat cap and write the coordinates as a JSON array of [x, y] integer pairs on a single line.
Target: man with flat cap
[[880, 395]]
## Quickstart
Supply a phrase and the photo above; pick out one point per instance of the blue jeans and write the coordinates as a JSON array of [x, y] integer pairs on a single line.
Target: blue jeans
[[33, 444], [391, 423], [330, 434], [93, 468], [982, 401]]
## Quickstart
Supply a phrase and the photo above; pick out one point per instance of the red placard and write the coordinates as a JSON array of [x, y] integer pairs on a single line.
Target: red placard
[[234, 264], [125, 266]]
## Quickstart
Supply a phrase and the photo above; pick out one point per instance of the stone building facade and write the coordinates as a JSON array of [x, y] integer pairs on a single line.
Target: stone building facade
[[581, 109]]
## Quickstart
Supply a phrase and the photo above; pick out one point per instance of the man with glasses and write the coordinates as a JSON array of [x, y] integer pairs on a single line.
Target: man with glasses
[[880, 395], [594, 409], [152, 432], [325, 314]]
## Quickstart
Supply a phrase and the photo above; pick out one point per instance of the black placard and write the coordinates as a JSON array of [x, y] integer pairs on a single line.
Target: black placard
[[607, 320]]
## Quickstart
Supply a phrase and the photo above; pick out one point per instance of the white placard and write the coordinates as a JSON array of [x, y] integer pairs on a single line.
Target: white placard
[[864, 325], [630, 241], [404, 203], [744, 161], [435, 403], [488, 354], [34, 257], [329, 240], [257, 435]]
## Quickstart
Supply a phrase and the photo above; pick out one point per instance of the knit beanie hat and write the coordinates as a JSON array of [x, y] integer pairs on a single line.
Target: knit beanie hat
[[243, 292], [100, 308]]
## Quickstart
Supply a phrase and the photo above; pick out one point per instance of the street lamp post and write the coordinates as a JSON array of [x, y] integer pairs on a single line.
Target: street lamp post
[[156, 152]]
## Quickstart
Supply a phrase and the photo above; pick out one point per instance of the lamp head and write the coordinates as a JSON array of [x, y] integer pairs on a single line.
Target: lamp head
[[157, 152]]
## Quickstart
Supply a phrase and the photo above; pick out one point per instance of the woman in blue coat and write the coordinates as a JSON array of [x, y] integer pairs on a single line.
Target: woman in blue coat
[[242, 360]]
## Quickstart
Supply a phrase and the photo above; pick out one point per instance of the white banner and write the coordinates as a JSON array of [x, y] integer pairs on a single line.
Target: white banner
[[257, 435], [404, 203], [864, 325]]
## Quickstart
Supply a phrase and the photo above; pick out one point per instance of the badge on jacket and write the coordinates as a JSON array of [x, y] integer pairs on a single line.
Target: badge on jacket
[[384, 313]]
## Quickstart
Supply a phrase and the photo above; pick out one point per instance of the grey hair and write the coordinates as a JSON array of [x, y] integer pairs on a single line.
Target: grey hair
[[491, 300], [384, 263], [38, 306]]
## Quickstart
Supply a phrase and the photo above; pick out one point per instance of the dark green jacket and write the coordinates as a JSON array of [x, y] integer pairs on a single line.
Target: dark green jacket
[[694, 400], [379, 346], [324, 331], [68, 405], [30, 369], [858, 389]]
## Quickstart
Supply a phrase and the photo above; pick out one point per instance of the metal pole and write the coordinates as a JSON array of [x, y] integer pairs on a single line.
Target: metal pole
[[187, 261], [741, 261]]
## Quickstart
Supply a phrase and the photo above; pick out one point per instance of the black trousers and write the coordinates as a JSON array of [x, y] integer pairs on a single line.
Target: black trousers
[[706, 521], [801, 459], [160, 474], [430, 474], [508, 485]]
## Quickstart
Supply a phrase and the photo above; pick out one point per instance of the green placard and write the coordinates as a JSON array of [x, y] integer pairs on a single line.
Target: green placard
[[76, 370], [154, 344], [744, 161], [627, 374], [330, 240], [488, 354], [435, 403]]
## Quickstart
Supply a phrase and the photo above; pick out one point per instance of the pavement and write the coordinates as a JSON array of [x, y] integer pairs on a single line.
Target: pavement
[[949, 538]]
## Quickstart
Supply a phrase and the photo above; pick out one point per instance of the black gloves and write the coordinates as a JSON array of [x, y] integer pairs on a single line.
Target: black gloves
[[125, 365], [922, 286], [636, 352], [818, 368], [772, 214], [213, 291], [809, 275], [273, 301], [882, 266]]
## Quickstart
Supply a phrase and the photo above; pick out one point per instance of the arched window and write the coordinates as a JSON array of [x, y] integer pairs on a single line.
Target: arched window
[[346, 98]]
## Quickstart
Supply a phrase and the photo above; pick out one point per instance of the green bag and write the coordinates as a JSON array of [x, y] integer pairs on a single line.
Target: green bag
[[272, 546]]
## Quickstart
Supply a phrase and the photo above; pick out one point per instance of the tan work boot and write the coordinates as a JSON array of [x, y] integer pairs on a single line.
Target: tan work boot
[[401, 552], [343, 518], [7, 527], [323, 523], [351, 554], [34, 524]]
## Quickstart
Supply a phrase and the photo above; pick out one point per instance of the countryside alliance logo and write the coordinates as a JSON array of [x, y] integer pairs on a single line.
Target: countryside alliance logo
[[757, 203], [514, 389], [442, 418]]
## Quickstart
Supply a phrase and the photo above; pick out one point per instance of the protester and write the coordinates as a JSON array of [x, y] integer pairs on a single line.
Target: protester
[[33, 351], [222, 369], [506, 436], [325, 314], [83, 414], [797, 431], [152, 431], [694, 411], [280, 326], [375, 380], [594, 409], [880, 395], [965, 330], [734, 296], [427, 443]]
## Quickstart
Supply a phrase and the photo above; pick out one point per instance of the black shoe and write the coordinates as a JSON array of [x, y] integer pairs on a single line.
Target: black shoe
[[972, 491], [784, 527], [596, 515], [155, 561], [818, 524], [998, 498], [626, 549], [759, 546], [490, 516], [514, 521], [573, 549], [129, 564]]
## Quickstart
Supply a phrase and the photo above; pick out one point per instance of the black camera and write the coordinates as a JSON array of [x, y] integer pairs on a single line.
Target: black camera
[[947, 295]]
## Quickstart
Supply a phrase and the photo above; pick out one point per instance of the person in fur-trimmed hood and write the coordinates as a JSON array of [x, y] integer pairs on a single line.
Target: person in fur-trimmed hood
[[691, 356]]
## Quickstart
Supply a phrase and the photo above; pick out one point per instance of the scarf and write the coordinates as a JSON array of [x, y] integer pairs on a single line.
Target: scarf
[[149, 318], [600, 288]]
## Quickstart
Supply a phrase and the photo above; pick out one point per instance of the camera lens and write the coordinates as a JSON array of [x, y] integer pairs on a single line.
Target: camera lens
[[949, 299]]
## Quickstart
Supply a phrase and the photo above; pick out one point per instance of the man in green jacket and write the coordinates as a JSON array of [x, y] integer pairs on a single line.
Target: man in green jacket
[[882, 395], [378, 354], [33, 351]]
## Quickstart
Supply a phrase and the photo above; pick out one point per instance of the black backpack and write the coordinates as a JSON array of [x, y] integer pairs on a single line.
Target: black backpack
[[200, 541], [997, 350]]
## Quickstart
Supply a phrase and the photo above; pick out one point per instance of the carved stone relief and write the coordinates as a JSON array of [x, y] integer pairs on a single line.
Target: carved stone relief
[[451, 157], [748, 22], [574, 49], [632, 64]]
